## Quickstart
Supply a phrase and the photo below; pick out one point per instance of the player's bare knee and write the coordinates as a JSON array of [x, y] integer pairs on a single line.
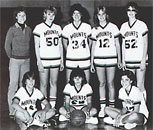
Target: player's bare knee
[[110, 84], [43, 85], [53, 83], [20, 116], [102, 84]]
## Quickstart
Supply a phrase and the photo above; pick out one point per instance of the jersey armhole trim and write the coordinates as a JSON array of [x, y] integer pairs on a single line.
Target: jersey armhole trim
[[93, 39], [64, 37], [16, 98], [66, 94], [36, 34], [146, 32], [117, 35], [90, 94]]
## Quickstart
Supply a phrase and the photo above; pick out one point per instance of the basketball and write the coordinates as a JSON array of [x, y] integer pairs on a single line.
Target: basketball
[[77, 118]]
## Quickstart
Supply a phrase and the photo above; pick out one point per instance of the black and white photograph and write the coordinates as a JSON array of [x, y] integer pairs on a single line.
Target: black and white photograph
[[76, 64]]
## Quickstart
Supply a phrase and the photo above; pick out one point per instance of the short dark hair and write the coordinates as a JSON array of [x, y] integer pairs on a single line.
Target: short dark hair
[[26, 76], [19, 9], [77, 72], [133, 5], [130, 75]]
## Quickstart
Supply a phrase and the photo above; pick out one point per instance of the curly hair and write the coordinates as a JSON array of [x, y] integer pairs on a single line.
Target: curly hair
[[77, 72], [74, 7]]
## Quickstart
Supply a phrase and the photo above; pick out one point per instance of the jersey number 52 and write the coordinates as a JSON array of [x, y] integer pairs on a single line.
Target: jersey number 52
[[130, 44]]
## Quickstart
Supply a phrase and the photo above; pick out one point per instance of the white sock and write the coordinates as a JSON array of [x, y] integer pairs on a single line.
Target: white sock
[[102, 102], [52, 101]]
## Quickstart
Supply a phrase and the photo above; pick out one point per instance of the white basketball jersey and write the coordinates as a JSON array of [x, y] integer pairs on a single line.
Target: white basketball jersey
[[133, 40], [105, 40], [28, 101], [49, 36], [78, 97], [78, 47], [136, 97]]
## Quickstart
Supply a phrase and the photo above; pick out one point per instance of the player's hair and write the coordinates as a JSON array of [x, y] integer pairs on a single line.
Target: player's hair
[[77, 72], [26, 76], [77, 7], [130, 75], [83, 11], [104, 9], [51, 8], [133, 5], [17, 10]]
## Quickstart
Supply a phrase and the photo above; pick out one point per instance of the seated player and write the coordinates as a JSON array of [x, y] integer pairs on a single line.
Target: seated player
[[25, 104], [78, 96], [134, 111]]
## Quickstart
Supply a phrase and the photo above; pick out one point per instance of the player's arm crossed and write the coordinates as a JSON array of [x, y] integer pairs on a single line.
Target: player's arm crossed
[[21, 113]]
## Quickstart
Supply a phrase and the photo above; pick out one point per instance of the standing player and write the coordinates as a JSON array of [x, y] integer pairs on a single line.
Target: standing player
[[78, 95], [134, 111], [135, 45], [49, 52], [105, 54], [75, 41], [17, 46], [25, 104]]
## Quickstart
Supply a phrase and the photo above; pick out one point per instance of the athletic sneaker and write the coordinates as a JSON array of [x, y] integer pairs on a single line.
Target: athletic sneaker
[[92, 120], [130, 125], [39, 123], [109, 120], [63, 118]]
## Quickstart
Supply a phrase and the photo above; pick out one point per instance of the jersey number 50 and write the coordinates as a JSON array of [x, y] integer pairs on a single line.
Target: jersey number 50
[[52, 41]]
